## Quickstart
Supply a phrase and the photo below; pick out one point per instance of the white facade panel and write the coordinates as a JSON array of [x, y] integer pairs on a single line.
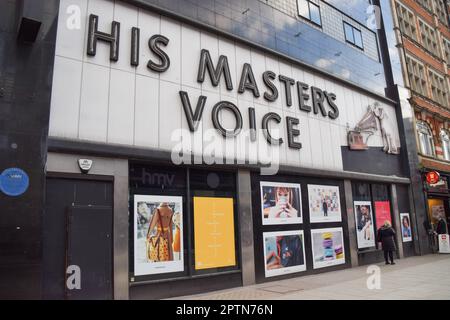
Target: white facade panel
[[97, 100]]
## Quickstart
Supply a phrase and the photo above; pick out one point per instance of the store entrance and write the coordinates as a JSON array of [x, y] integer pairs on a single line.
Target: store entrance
[[438, 207], [77, 244]]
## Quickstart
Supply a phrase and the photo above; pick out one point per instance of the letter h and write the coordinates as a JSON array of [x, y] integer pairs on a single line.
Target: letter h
[[112, 39]]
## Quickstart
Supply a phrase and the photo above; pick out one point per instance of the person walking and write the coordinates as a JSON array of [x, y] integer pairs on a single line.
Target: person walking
[[386, 236], [441, 226]]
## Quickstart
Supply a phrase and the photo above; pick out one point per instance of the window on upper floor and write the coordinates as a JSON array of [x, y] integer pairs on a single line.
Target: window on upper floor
[[353, 35], [441, 12], [428, 37], [309, 10], [438, 88], [426, 4], [406, 21], [425, 136], [417, 76], [446, 46], [445, 140]]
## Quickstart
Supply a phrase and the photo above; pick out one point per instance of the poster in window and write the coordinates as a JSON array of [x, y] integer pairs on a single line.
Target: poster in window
[[365, 233], [214, 237], [382, 213], [280, 203], [328, 247], [158, 234], [324, 204], [284, 252], [405, 221]]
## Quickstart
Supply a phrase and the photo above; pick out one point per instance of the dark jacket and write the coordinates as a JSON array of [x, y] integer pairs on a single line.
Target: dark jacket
[[387, 238], [441, 227], [291, 251]]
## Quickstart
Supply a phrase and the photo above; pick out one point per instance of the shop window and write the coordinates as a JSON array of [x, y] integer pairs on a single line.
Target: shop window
[[416, 74], [353, 35], [438, 88], [407, 21], [445, 140], [183, 222], [372, 208], [214, 220], [309, 10], [441, 11], [425, 138], [428, 37]]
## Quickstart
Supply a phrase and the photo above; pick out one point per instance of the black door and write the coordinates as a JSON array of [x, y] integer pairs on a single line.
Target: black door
[[78, 234]]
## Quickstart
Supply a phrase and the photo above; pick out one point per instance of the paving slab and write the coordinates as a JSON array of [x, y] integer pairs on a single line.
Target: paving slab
[[415, 278]]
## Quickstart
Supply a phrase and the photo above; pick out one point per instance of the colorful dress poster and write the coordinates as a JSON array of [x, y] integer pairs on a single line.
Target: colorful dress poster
[[284, 252], [280, 203], [324, 204], [214, 237], [382, 213], [365, 233], [158, 234], [406, 227], [328, 247]]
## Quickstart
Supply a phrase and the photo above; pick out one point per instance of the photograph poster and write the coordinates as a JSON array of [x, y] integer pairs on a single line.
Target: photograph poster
[[324, 204], [364, 224], [280, 203], [382, 213], [284, 252], [328, 247], [406, 227], [158, 234]]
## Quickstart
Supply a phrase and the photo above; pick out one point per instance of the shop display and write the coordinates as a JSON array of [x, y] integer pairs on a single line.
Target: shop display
[[324, 203], [158, 234], [280, 203], [364, 224], [284, 252], [214, 237], [328, 247]]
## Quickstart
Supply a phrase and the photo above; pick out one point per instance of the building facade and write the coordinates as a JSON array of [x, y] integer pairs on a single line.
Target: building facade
[[170, 148], [423, 36]]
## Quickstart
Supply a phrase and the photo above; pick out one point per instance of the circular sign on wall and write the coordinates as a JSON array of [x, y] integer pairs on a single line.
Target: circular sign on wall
[[433, 177], [14, 182]]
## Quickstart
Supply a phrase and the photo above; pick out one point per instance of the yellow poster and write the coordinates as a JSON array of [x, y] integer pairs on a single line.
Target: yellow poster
[[214, 233]]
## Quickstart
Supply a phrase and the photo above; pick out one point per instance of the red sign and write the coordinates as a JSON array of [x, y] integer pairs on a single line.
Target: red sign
[[382, 212], [433, 177]]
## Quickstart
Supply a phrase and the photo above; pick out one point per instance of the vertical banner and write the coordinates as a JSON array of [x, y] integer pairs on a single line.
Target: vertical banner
[[382, 213], [364, 224], [158, 234], [406, 227], [214, 238]]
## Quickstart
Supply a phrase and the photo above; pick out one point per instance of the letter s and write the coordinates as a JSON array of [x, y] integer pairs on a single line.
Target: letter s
[[153, 45]]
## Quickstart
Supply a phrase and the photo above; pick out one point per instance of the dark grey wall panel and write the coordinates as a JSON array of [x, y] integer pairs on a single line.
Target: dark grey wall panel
[[374, 160], [25, 91]]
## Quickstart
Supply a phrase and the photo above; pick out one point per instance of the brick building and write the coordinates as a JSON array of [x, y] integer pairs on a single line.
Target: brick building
[[423, 38]]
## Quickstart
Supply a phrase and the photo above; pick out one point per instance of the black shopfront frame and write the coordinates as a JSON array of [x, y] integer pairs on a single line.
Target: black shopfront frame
[[184, 181], [306, 226]]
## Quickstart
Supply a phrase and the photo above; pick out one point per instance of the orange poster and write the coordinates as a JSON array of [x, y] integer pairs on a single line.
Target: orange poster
[[214, 233]]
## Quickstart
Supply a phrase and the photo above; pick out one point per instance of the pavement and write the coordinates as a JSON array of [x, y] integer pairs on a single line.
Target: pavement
[[415, 278]]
